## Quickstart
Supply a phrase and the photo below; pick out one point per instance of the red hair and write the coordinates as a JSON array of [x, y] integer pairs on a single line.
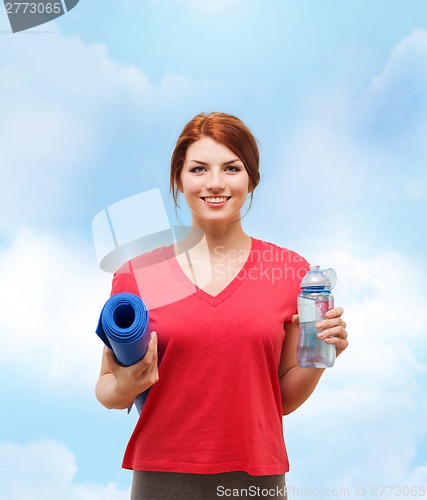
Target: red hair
[[222, 128]]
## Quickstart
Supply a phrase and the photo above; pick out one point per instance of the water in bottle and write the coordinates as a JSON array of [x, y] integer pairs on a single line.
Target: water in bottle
[[314, 300]]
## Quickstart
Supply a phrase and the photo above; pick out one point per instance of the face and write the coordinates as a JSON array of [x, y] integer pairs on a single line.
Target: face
[[214, 182]]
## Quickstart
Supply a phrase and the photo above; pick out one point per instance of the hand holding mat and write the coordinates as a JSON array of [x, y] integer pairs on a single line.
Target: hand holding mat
[[123, 327]]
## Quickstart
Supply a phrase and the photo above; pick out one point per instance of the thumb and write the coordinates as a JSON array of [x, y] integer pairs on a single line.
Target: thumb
[[295, 320], [110, 358]]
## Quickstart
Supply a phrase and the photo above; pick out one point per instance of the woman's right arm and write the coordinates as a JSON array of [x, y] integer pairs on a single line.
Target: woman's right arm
[[118, 386]]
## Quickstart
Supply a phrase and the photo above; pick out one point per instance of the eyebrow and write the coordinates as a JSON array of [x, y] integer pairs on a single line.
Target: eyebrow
[[206, 164]]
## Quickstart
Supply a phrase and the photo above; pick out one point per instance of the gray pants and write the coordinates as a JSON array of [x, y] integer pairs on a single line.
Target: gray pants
[[179, 486]]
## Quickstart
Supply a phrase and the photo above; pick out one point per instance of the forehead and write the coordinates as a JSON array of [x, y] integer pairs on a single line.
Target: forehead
[[208, 150]]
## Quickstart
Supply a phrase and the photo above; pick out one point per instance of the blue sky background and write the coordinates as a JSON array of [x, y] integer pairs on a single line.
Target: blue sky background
[[90, 108]]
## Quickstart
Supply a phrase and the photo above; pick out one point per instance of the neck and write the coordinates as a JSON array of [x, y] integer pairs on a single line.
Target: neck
[[227, 236]]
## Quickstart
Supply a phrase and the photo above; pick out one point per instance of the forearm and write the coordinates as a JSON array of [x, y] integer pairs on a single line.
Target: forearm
[[296, 386], [108, 393]]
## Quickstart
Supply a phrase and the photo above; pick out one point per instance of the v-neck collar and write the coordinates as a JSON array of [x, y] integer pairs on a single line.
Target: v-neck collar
[[226, 292]]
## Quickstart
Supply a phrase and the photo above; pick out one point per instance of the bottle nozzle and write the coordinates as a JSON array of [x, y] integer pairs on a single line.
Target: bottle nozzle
[[320, 277]]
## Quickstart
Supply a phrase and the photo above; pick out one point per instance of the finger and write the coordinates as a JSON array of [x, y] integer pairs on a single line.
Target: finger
[[149, 375], [295, 319], [110, 359], [334, 312], [150, 355], [155, 343], [153, 374], [337, 331], [330, 323], [340, 344]]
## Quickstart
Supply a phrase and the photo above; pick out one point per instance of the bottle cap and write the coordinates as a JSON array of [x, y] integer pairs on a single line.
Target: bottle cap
[[319, 277]]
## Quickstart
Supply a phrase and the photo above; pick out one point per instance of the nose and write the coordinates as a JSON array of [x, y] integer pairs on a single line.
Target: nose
[[215, 181]]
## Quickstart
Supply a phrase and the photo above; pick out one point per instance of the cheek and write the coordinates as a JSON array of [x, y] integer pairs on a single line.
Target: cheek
[[189, 188], [241, 185], [182, 184]]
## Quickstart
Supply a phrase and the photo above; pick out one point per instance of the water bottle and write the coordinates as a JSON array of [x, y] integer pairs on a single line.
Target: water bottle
[[313, 302]]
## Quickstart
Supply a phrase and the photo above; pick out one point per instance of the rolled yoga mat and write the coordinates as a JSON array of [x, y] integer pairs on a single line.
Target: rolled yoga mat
[[124, 328]]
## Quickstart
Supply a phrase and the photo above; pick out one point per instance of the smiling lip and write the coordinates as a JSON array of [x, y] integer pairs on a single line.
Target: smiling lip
[[215, 201]]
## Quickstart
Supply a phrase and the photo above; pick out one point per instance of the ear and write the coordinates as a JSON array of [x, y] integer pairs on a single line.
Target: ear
[[250, 186], [179, 186]]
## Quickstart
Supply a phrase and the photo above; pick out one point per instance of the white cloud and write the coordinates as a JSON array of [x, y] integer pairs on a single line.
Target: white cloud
[[406, 65], [369, 405], [54, 93], [324, 162], [46, 470], [395, 105], [365, 423], [51, 294], [354, 162], [355, 168], [65, 107], [418, 477]]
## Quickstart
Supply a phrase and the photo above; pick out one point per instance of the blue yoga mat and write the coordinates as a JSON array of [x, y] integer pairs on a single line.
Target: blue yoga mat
[[124, 328]]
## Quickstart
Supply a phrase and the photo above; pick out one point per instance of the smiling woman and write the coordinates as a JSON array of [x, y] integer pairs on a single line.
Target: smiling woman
[[221, 364], [212, 178], [226, 131]]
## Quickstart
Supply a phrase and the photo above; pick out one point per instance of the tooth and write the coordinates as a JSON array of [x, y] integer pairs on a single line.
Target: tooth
[[216, 199]]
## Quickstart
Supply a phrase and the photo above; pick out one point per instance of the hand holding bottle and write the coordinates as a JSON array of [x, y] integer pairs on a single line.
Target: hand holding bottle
[[322, 333], [332, 330]]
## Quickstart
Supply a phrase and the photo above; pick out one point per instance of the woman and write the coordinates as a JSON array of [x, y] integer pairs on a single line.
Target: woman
[[223, 368]]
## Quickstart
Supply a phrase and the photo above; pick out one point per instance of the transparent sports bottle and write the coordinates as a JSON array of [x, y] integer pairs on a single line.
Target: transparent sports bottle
[[314, 300]]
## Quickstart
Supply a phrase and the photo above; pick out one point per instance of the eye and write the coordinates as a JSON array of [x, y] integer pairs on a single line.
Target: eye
[[233, 169], [197, 170]]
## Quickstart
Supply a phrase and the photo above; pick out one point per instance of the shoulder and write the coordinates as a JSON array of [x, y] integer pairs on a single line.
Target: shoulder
[[124, 279], [270, 252], [283, 266]]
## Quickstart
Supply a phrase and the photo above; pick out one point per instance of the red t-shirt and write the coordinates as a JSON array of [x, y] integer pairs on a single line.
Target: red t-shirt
[[217, 405]]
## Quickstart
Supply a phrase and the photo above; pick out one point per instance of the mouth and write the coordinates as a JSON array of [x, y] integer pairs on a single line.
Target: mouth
[[215, 201]]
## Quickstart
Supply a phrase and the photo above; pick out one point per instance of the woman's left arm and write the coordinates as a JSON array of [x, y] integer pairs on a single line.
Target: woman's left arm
[[297, 384]]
